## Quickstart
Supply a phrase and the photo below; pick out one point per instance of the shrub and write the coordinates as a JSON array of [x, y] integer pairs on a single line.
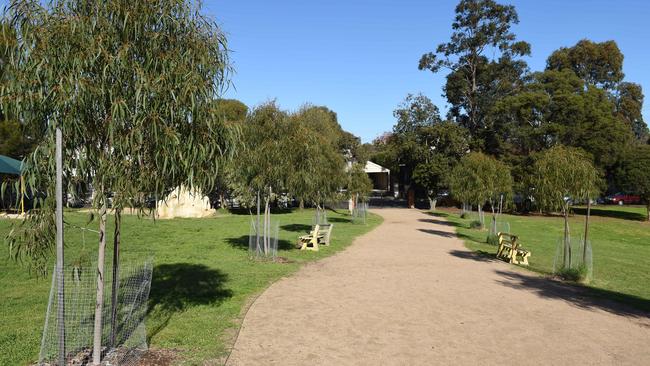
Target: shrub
[[464, 215], [475, 225], [577, 274], [492, 239]]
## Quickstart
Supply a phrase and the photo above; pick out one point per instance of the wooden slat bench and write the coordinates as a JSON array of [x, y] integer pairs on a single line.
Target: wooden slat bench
[[310, 241], [319, 235], [510, 249]]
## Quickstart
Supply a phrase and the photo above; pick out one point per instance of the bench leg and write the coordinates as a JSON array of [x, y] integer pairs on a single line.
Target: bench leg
[[513, 256], [314, 245]]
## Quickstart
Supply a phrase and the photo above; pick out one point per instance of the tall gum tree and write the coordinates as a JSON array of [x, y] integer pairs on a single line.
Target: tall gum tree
[[131, 85], [475, 81]]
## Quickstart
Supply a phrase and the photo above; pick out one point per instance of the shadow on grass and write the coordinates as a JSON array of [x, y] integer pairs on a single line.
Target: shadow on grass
[[605, 212], [578, 295], [298, 228], [242, 243], [246, 211], [339, 219], [479, 256], [178, 286], [438, 233]]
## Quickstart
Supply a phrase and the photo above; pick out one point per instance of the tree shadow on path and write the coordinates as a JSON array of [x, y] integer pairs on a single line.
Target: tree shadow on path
[[444, 234], [581, 296]]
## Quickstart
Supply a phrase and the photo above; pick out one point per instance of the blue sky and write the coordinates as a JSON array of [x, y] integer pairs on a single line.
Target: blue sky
[[359, 57]]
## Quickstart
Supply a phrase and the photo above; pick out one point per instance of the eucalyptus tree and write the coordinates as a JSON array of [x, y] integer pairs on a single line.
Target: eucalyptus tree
[[442, 146], [131, 85], [315, 148], [358, 185], [465, 184], [263, 167], [599, 64], [562, 175], [475, 81], [480, 179]]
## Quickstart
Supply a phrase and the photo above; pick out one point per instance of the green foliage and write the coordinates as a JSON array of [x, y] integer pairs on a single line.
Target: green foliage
[[634, 173], [479, 178], [415, 112], [475, 82], [300, 154], [563, 174], [232, 110], [316, 171], [358, 184], [578, 274], [629, 105], [131, 84], [263, 164], [492, 239], [596, 63], [475, 224], [555, 107]]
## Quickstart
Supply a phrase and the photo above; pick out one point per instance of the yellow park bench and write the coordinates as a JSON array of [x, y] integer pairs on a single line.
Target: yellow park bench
[[511, 250], [319, 235]]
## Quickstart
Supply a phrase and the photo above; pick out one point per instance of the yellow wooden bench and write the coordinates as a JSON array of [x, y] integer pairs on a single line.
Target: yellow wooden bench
[[510, 249], [310, 241], [319, 235]]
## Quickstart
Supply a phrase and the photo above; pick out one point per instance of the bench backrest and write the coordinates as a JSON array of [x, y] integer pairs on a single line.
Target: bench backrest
[[507, 238], [326, 231]]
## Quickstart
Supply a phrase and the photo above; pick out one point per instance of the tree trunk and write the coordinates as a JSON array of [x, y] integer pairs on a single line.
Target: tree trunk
[[567, 240], [301, 204], [432, 203], [257, 228], [584, 246], [59, 246], [116, 275], [648, 210], [222, 201], [493, 225], [97, 336], [480, 216]]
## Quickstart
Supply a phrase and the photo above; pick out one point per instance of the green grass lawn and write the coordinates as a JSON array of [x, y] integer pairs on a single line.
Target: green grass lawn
[[620, 240], [202, 278]]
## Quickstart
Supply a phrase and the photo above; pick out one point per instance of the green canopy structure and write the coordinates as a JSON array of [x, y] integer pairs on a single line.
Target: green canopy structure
[[10, 166], [14, 167]]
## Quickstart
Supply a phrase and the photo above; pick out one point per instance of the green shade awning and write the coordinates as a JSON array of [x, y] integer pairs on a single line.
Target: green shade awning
[[10, 166]]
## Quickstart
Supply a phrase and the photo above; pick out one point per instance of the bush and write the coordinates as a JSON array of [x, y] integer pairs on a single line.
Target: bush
[[464, 215], [475, 225], [578, 274], [492, 239]]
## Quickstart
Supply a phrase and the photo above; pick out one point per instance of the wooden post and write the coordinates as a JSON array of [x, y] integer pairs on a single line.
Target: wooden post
[[97, 335], [116, 276], [584, 246], [22, 194], [59, 245]]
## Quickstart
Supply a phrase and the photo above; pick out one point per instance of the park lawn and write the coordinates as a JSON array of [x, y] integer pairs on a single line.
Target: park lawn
[[202, 279], [620, 242]]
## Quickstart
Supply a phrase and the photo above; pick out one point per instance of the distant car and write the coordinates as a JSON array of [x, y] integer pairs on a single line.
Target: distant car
[[623, 199]]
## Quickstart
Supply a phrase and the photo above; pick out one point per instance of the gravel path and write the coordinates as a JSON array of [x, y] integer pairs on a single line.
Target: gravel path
[[409, 293]]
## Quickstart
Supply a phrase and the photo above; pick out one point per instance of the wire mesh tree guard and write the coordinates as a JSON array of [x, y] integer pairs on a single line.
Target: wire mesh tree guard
[[574, 254], [320, 216], [124, 344], [263, 239], [360, 212]]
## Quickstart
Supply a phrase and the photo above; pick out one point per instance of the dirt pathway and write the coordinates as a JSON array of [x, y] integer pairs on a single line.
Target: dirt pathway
[[409, 293]]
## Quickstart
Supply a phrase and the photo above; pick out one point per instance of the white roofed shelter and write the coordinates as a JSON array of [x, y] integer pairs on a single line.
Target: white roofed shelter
[[379, 175]]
